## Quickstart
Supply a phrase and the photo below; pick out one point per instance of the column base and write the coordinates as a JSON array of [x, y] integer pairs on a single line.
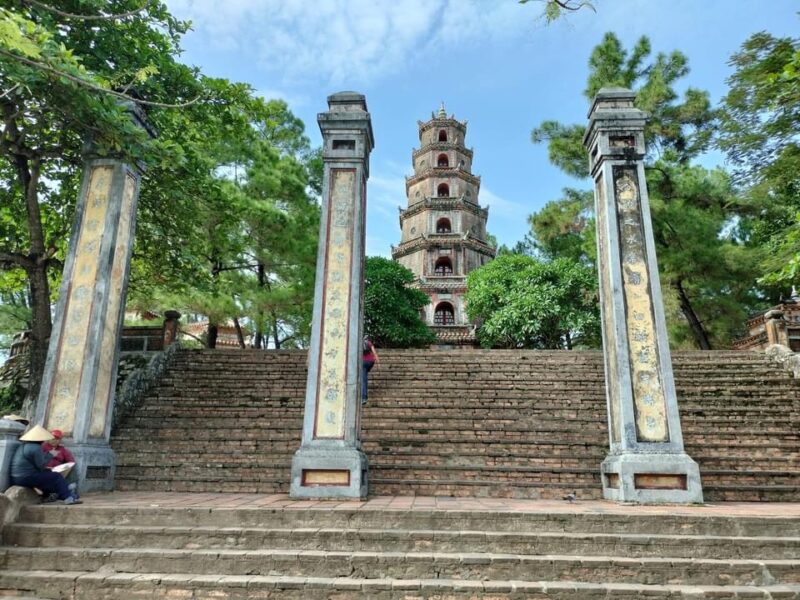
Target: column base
[[96, 466], [321, 472], [644, 478]]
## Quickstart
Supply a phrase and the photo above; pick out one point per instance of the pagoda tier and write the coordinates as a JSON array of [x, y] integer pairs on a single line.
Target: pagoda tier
[[443, 228]]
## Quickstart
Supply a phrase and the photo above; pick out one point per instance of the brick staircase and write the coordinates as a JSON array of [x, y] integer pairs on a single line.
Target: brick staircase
[[522, 424], [108, 549]]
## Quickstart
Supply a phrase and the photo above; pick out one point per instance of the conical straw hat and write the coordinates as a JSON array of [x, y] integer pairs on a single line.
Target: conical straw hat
[[15, 417], [37, 433]]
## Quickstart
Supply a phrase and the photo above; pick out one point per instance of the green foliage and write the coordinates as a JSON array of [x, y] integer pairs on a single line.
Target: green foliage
[[555, 9], [680, 130], [564, 228], [524, 302], [699, 224], [391, 307], [229, 176], [12, 397], [759, 125], [702, 257]]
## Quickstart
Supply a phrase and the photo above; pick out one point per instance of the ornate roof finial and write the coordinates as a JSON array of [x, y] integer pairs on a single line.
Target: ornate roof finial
[[795, 296], [442, 112]]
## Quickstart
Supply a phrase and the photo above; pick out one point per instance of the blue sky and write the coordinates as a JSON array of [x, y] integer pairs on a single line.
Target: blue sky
[[495, 63]]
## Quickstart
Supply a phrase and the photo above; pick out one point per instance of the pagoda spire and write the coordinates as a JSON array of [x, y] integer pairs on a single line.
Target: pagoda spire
[[443, 230]]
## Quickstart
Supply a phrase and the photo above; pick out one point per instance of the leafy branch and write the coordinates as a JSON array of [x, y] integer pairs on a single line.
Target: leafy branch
[[67, 15]]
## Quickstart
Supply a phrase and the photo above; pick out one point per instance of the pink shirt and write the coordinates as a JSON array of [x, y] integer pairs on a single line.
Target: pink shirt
[[62, 455]]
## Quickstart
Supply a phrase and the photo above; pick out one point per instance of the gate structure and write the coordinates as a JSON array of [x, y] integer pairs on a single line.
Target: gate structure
[[646, 462]]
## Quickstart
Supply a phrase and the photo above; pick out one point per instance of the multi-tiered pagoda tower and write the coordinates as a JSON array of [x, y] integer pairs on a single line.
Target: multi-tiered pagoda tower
[[444, 228]]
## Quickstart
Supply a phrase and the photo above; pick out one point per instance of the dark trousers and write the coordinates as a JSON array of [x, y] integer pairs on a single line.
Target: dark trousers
[[47, 481], [368, 364]]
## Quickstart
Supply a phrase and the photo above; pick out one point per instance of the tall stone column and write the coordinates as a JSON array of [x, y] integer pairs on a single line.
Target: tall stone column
[[80, 373], [330, 462], [646, 462]]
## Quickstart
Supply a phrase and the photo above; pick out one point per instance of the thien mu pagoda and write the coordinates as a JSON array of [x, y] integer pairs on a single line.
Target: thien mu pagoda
[[443, 228]]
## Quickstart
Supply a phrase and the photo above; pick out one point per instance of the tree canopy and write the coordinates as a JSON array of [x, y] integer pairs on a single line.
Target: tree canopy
[[524, 302], [392, 308], [226, 168], [760, 125], [699, 221]]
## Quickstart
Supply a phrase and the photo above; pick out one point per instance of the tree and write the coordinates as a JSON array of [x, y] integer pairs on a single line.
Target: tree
[[565, 228], [283, 228], [525, 302], [555, 9], [391, 307], [760, 120], [703, 262], [248, 246], [63, 72]]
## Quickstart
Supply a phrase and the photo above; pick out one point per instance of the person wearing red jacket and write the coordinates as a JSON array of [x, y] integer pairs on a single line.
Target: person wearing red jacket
[[59, 455]]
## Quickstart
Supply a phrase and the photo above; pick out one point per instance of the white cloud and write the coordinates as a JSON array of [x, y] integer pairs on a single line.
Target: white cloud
[[500, 207], [346, 41], [293, 100], [385, 194]]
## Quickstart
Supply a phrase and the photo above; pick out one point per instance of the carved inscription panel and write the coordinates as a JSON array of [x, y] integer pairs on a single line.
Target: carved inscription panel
[[116, 288], [648, 392], [66, 381], [332, 374]]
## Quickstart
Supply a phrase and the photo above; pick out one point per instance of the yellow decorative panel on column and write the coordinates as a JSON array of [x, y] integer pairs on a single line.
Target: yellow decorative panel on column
[[332, 382], [117, 281], [66, 381], [648, 392]]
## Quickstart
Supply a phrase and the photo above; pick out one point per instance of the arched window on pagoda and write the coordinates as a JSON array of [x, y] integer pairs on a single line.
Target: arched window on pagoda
[[443, 191], [444, 314], [442, 161], [442, 135], [444, 266], [443, 226]]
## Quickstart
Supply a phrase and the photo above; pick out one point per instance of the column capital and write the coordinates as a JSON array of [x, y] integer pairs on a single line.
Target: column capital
[[616, 128]]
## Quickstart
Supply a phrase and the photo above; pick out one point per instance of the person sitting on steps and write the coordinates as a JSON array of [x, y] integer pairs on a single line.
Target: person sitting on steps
[[369, 360], [29, 467], [60, 455]]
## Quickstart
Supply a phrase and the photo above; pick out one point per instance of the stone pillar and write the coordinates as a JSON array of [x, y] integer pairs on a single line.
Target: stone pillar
[[80, 373], [775, 326], [646, 462], [330, 463], [170, 329], [9, 440]]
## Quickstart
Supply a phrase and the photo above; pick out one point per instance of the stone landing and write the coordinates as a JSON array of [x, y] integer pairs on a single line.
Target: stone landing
[[237, 546]]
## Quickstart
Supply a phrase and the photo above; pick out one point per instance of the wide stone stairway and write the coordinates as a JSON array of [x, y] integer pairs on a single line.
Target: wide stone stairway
[[470, 453], [521, 424], [254, 547]]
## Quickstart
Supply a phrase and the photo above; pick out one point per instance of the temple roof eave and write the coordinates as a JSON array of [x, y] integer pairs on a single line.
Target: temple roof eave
[[433, 146], [421, 242], [443, 203]]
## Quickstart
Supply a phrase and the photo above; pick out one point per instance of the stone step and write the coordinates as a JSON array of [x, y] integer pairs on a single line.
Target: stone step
[[545, 411], [380, 540], [407, 565], [87, 585], [489, 488], [563, 517]]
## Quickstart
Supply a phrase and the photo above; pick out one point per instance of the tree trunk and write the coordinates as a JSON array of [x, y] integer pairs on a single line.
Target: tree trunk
[[259, 337], [699, 332], [36, 269], [276, 338], [239, 333], [212, 336], [41, 328]]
